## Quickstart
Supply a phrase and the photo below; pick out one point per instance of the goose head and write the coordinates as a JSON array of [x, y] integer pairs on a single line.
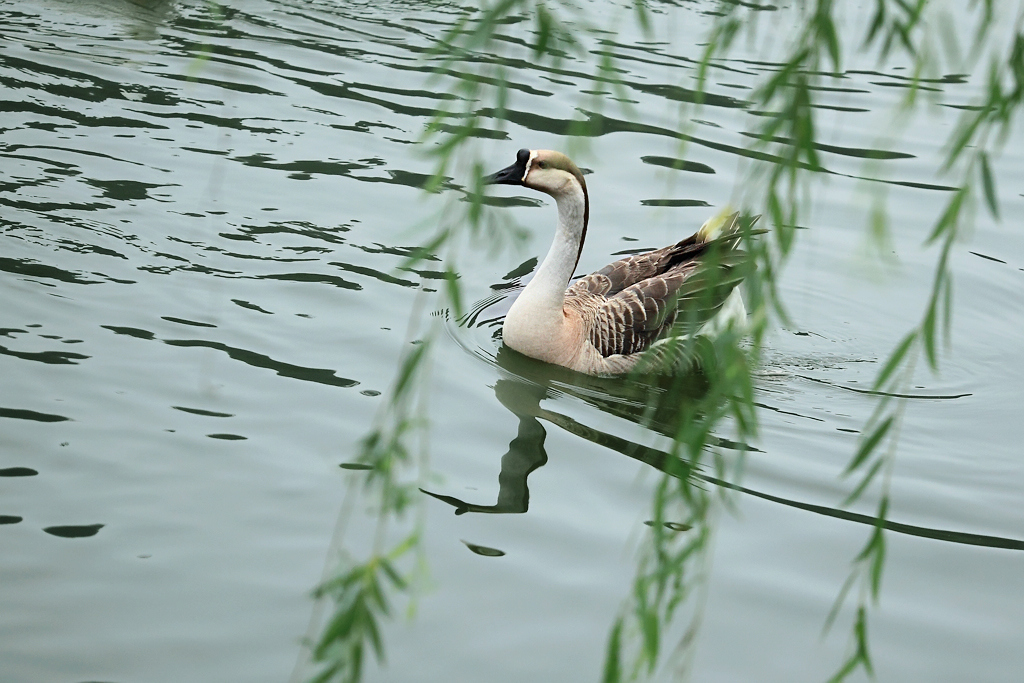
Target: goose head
[[552, 173], [549, 172]]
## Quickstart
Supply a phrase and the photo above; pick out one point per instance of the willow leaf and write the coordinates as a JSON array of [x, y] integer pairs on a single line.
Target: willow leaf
[[651, 630], [928, 330], [612, 665], [409, 367], [837, 604], [861, 630], [454, 291], [340, 627], [949, 217], [947, 310], [869, 444], [373, 635], [989, 185], [848, 667], [895, 359], [878, 565]]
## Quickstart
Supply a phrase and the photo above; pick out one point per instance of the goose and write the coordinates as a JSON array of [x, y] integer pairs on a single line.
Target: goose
[[603, 323]]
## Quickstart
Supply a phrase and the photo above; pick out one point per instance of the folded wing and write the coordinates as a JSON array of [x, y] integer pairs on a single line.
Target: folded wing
[[636, 300]]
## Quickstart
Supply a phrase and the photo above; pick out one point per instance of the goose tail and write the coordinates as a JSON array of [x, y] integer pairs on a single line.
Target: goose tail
[[723, 224]]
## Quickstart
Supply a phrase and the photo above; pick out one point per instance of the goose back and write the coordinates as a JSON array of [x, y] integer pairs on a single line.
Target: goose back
[[631, 303]]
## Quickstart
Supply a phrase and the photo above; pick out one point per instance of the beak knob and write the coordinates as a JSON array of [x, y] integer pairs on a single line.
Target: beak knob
[[514, 174]]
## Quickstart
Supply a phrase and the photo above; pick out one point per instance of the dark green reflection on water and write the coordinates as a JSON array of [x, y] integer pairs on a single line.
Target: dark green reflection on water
[[22, 414], [47, 357], [319, 375], [74, 531], [200, 411], [257, 360], [677, 164], [484, 550], [18, 472], [41, 270]]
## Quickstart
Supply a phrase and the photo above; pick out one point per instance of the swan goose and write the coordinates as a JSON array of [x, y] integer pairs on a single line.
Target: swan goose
[[603, 322]]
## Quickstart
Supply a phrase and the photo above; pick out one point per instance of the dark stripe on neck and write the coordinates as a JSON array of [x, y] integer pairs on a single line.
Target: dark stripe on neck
[[586, 221]]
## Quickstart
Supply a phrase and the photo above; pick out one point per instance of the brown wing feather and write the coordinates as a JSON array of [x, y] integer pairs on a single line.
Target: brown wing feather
[[618, 275], [631, 270], [630, 303], [633, 319]]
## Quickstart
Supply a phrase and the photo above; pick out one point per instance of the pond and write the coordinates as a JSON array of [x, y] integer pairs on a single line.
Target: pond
[[206, 212]]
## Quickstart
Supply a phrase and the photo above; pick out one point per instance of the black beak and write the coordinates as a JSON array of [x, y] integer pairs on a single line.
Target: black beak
[[514, 174]]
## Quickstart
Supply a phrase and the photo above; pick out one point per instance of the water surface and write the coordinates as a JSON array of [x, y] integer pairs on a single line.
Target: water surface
[[205, 214]]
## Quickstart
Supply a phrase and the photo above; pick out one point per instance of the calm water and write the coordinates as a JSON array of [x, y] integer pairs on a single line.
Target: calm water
[[204, 215]]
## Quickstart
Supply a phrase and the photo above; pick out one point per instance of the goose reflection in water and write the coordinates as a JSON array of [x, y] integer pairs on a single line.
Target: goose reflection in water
[[525, 452], [652, 403], [655, 402]]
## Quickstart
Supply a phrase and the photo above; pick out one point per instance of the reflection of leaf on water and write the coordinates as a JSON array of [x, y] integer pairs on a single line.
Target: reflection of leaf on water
[[77, 531], [484, 550], [674, 526]]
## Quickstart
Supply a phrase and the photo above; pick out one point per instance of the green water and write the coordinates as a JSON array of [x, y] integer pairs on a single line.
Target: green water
[[203, 217]]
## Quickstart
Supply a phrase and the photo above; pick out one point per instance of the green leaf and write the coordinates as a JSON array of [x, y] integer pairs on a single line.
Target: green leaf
[[651, 629], [989, 185], [827, 32], [373, 635], [877, 21], [861, 629], [340, 626], [375, 595], [878, 559], [392, 573], [848, 667], [356, 666], [869, 444], [928, 331], [426, 251], [947, 310], [775, 211], [326, 675], [838, 603], [964, 136], [454, 291], [544, 26], [408, 543], [895, 359], [409, 367], [612, 665], [643, 17], [865, 481]]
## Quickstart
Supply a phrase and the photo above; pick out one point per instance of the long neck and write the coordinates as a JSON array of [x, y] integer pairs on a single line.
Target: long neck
[[547, 288]]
